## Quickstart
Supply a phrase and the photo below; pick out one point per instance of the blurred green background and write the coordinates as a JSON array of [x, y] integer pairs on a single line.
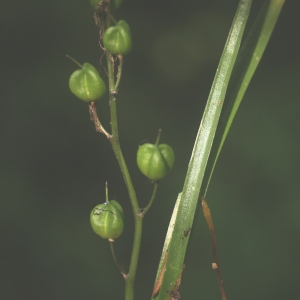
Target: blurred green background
[[54, 165]]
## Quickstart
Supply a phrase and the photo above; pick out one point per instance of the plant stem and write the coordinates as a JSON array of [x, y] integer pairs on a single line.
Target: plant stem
[[114, 140], [106, 193], [158, 137], [103, 19], [144, 211], [75, 61], [111, 244], [119, 74], [95, 119]]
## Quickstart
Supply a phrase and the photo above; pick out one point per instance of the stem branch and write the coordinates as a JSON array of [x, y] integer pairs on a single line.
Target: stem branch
[[95, 119], [111, 244], [144, 211]]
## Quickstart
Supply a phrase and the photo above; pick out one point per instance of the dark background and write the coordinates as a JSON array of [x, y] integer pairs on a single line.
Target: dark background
[[54, 165]]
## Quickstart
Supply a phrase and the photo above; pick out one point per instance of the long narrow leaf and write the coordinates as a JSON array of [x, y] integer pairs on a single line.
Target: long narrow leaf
[[178, 234], [246, 64]]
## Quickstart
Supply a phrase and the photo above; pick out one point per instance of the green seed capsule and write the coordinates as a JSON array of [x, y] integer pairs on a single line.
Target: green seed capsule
[[107, 220], [155, 161], [117, 39], [86, 83]]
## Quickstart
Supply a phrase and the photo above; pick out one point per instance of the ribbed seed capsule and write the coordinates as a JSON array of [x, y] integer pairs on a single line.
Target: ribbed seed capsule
[[155, 162], [117, 39], [86, 83], [107, 220]]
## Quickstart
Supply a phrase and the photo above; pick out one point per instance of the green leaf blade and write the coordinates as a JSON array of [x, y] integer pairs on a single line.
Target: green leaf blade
[[246, 65], [183, 214]]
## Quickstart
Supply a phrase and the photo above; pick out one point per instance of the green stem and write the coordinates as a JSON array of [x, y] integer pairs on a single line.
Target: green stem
[[103, 20], [144, 211], [129, 283], [113, 19], [119, 74], [114, 140], [158, 137], [74, 60], [111, 244], [106, 193]]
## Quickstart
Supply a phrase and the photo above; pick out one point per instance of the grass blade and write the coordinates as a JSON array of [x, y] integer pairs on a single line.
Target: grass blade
[[184, 211], [246, 64]]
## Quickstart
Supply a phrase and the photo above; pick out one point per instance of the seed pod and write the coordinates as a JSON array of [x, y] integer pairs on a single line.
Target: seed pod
[[86, 83], [117, 39], [107, 220], [155, 161]]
